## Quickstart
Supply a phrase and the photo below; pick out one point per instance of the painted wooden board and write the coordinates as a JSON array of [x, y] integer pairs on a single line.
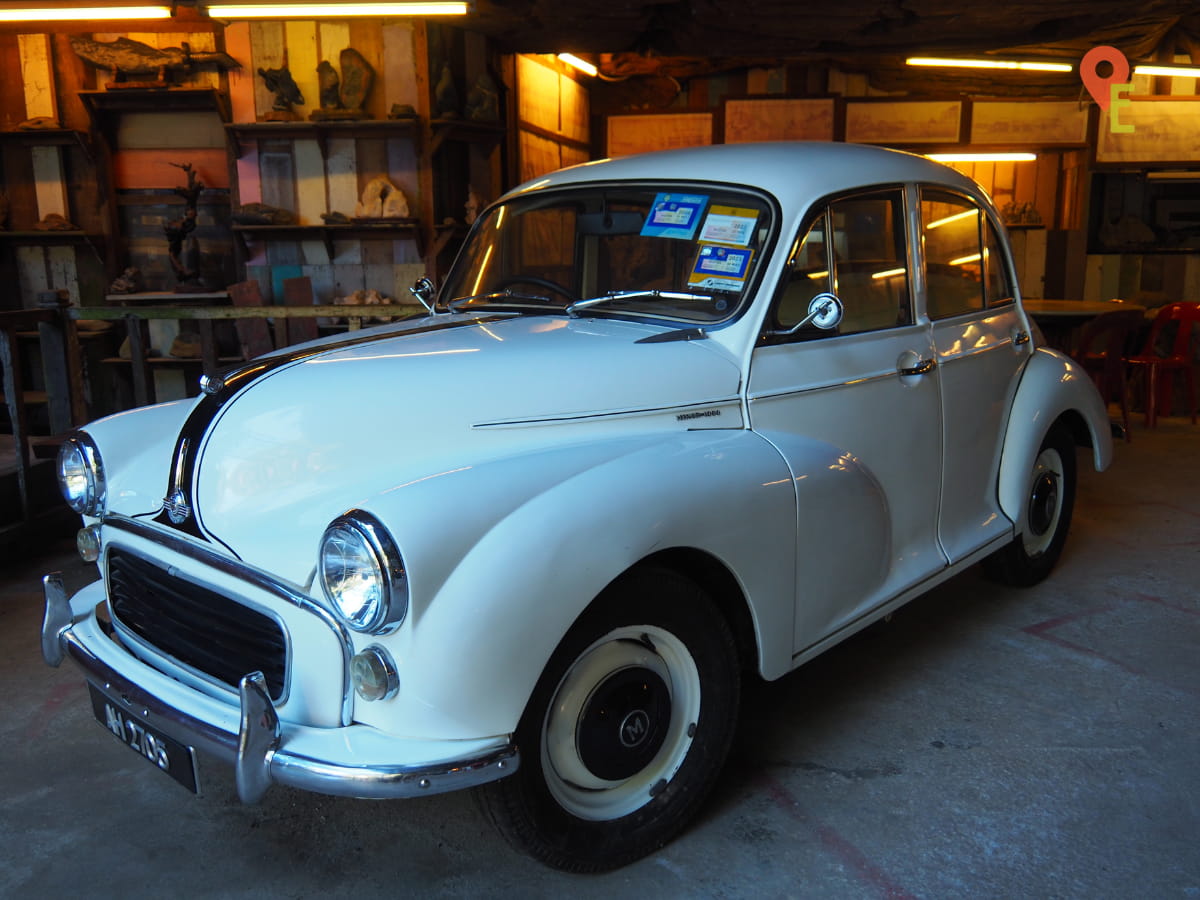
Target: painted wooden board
[[133, 169], [31, 274], [48, 181], [297, 291], [365, 37], [37, 75], [310, 182], [267, 52], [60, 265], [399, 82], [300, 38], [241, 80], [249, 185], [12, 102]]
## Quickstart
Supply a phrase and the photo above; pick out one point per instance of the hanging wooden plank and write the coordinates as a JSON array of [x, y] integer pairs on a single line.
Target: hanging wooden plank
[[365, 37], [253, 333], [300, 38], [31, 274], [332, 39], [12, 102], [37, 76]]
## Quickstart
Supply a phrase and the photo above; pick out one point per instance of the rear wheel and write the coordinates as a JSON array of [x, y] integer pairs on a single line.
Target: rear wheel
[[627, 729], [1046, 517]]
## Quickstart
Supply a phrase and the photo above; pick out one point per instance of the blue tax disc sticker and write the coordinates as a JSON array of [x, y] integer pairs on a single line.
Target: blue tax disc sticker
[[675, 216], [721, 268]]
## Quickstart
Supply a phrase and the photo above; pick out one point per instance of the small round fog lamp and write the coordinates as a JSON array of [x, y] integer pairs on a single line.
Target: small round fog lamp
[[87, 542], [374, 674]]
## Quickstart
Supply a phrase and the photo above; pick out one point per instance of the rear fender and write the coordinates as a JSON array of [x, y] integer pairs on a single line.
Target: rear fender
[[1052, 387]]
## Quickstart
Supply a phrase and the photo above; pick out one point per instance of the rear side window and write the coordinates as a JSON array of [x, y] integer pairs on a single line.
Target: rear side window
[[855, 249], [964, 263]]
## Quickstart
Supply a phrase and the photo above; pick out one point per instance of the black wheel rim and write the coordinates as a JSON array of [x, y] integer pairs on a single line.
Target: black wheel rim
[[1043, 504], [624, 723]]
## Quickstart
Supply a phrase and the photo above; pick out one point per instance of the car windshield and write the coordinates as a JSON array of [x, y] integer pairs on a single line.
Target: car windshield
[[682, 252]]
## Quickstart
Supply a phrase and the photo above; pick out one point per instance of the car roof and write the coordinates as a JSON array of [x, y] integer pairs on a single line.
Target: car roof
[[795, 172]]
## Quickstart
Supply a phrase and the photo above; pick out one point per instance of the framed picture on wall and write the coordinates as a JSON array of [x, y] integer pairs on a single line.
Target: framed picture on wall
[[778, 119], [1165, 130], [643, 133], [904, 122], [1039, 123]]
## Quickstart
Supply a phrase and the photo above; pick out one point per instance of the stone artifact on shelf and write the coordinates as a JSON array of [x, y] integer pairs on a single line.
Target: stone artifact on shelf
[[39, 123], [262, 214], [343, 98], [128, 282], [445, 96], [335, 218], [286, 94], [483, 100], [381, 200], [124, 57], [54, 222], [369, 297]]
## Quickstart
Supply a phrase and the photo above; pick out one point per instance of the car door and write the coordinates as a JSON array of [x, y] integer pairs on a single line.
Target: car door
[[855, 411], [981, 346]]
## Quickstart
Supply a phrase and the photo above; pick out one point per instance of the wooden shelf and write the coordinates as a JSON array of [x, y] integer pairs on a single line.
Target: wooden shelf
[[101, 104], [406, 229], [32, 238], [321, 132], [465, 131], [48, 137]]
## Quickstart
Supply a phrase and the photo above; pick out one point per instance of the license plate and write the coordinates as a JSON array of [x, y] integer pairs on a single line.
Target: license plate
[[174, 758]]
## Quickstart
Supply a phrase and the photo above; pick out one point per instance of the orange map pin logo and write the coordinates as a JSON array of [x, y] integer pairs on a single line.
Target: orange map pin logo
[[1106, 90]]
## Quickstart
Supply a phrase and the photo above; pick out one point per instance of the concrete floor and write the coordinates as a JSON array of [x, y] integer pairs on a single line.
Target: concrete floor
[[986, 742]]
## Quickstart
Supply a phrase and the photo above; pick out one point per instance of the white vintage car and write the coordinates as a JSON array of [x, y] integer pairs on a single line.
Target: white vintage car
[[672, 421]]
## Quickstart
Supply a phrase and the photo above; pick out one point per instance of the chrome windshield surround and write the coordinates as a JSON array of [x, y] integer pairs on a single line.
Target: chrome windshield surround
[[257, 579]]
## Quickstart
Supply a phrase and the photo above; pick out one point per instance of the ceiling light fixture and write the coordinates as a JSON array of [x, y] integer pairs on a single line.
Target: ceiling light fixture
[[1169, 71], [59, 13], [1023, 65], [982, 157], [581, 64], [331, 10]]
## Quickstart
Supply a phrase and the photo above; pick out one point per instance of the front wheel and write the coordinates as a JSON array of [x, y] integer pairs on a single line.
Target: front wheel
[[1046, 518], [627, 728]]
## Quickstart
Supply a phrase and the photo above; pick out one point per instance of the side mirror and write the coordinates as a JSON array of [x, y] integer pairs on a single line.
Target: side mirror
[[423, 289], [824, 310]]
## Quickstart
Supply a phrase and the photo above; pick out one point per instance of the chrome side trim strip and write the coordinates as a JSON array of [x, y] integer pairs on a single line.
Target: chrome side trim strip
[[255, 578]]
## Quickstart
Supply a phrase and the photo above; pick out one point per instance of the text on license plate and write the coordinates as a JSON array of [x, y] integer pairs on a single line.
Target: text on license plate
[[174, 758]]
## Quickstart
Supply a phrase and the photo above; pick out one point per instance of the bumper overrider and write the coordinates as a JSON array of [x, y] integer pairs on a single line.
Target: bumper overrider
[[263, 750]]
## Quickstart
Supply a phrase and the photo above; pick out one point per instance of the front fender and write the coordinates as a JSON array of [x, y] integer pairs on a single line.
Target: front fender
[[483, 627], [1052, 386]]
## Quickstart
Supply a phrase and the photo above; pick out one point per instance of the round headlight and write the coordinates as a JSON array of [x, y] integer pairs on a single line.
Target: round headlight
[[362, 574], [81, 476]]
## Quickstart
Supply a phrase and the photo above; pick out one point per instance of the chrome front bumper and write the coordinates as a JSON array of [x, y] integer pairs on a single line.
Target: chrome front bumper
[[258, 750]]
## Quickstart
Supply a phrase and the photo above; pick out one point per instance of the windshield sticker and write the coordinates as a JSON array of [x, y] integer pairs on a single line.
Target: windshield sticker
[[674, 216], [729, 225], [721, 268]]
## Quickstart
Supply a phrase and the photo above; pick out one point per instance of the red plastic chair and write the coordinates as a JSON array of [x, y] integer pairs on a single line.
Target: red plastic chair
[[1161, 366], [1102, 348]]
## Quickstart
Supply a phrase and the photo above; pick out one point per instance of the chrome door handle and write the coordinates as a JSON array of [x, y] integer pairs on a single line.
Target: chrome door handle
[[924, 367], [1020, 337]]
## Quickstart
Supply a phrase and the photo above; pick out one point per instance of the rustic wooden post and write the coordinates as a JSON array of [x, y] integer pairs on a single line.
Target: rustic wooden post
[[139, 340]]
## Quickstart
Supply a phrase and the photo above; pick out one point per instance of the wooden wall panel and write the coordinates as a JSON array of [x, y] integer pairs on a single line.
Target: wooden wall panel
[[241, 80], [12, 99], [300, 41], [152, 167], [48, 181], [398, 79]]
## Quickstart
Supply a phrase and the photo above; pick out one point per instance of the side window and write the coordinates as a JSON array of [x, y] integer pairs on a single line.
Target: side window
[[855, 249], [999, 285], [954, 254]]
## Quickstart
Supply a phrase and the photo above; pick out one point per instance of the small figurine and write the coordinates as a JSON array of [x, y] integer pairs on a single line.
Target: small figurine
[[483, 100], [179, 230], [381, 200], [128, 282], [344, 97], [281, 83]]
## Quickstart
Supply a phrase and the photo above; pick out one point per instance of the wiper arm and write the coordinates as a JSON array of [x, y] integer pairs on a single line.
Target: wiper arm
[[505, 294], [575, 307]]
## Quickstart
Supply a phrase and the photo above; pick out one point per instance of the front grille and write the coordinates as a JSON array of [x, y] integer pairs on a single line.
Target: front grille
[[197, 627]]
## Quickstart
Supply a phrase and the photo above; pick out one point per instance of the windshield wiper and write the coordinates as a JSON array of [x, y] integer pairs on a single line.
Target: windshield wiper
[[573, 309], [506, 294]]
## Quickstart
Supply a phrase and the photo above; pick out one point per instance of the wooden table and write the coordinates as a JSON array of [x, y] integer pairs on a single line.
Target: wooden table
[[1060, 320]]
